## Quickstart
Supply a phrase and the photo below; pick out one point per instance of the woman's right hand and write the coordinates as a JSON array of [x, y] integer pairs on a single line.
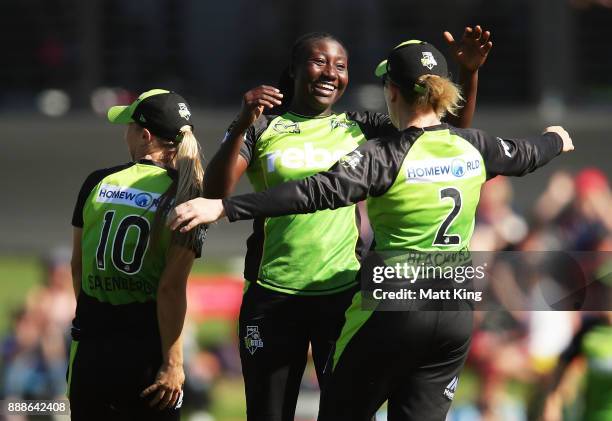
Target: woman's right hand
[[194, 212], [254, 102]]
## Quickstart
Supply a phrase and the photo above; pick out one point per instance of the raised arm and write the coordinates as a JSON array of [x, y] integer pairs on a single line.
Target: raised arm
[[227, 166], [470, 53]]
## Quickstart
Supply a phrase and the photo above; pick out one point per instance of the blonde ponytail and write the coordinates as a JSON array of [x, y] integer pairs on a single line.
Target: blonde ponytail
[[438, 92], [187, 161]]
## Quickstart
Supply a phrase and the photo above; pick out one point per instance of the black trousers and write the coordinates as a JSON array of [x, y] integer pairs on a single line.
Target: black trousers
[[106, 377], [412, 359], [275, 332]]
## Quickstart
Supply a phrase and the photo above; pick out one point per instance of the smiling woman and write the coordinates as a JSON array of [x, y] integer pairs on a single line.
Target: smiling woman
[[318, 74], [300, 270]]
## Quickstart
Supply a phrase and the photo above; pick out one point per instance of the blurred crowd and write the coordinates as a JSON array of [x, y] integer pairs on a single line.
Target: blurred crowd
[[534, 347], [33, 352], [526, 365]]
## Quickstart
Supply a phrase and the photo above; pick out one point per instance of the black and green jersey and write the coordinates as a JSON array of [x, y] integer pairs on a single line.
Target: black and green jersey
[[422, 185], [304, 254], [594, 343], [121, 266]]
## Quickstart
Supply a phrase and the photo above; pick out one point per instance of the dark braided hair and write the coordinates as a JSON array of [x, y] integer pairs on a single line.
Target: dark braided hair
[[286, 83]]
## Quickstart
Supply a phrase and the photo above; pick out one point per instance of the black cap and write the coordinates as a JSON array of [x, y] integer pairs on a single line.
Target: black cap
[[410, 60], [162, 112]]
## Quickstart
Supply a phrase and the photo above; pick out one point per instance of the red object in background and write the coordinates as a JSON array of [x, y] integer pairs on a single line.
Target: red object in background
[[591, 180], [214, 296]]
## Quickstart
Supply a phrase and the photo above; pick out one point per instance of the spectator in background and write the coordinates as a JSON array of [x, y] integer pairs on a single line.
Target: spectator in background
[[499, 226], [54, 301], [34, 354], [24, 375]]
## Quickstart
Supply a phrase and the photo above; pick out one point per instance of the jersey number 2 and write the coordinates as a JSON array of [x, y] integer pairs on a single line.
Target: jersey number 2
[[442, 239], [118, 243]]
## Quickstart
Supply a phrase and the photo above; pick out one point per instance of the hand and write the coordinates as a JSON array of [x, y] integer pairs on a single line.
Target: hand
[[169, 386], [472, 51], [195, 212], [567, 140], [254, 102]]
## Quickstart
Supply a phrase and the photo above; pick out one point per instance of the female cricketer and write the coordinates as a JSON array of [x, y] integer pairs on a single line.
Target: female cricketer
[[422, 186], [299, 280], [130, 272]]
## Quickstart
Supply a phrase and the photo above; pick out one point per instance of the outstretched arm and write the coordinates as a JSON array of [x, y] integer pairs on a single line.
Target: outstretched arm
[[518, 157], [367, 171], [470, 52]]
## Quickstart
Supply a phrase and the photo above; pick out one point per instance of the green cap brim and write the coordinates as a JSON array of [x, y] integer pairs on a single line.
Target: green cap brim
[[381, 69], [120, 114]]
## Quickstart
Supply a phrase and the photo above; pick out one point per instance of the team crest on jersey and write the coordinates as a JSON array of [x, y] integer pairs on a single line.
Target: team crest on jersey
[[428, 60], [252, 340], [345, 124], [184, 111], [286, 126], [351, 160], [449, 391]]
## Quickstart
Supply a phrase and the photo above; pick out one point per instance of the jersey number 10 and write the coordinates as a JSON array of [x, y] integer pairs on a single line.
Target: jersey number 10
[[118, 243]]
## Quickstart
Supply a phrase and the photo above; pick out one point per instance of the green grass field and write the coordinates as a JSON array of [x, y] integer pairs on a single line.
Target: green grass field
[[17, 276]]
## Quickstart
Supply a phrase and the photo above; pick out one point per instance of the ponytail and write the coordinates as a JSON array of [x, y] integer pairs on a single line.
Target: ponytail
[[438, 92], [188, 163], [189, 185]]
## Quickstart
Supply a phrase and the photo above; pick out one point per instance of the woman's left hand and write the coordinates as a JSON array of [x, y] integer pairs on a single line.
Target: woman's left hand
[[472, 51], [192, 213]]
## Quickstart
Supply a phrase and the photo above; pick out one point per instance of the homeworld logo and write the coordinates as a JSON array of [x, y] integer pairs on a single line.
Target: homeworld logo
[[252, 340], [450, 389], [120, 195], [443, 169], [286, 126]]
